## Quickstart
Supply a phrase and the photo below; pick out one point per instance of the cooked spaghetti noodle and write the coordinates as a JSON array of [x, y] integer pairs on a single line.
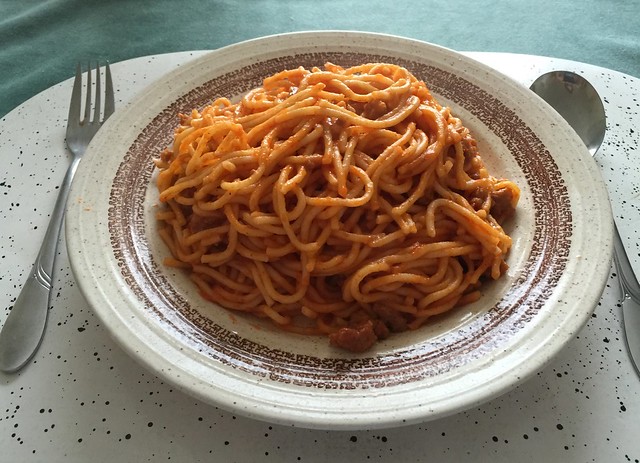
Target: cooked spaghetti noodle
[[335, 201]]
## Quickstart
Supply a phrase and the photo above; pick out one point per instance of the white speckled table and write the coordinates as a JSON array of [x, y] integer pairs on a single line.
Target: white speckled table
[[83, 399]]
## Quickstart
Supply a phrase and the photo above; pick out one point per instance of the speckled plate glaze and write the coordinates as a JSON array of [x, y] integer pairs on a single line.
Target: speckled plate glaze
[[470, 355]]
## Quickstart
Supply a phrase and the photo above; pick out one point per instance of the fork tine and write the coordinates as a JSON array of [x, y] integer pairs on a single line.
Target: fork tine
[[87, 101], [110, 104], [80, 130], [74, 105], [96, 109]]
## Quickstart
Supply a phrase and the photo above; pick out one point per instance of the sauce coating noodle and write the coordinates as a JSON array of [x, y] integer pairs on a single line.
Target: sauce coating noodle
[[344, 202]]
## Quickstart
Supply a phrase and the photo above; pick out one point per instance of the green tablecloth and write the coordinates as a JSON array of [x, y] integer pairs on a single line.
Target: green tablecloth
[[40, 41]]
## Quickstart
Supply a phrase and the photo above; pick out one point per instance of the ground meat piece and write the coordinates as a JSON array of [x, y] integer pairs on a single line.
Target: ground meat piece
[[502, 204], [198, 223], [374, 109], [355, 339], [381, 330], [478, 197], [392, 319], [166, 156], [469, 147]]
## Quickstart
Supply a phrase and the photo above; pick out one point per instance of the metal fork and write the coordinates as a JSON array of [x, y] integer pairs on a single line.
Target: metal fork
[[23, 330]]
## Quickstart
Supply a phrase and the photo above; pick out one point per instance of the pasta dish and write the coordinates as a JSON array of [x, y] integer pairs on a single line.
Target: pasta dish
[[344, 202]]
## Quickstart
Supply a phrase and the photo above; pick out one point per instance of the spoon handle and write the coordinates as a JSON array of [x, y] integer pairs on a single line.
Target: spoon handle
[[630, 300], [628, 279]]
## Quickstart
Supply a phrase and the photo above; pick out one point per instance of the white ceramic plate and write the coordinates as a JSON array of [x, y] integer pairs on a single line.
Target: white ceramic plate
[[558, 264]]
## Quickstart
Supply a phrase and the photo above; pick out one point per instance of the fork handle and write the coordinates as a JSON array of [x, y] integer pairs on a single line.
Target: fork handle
[[23, 329]]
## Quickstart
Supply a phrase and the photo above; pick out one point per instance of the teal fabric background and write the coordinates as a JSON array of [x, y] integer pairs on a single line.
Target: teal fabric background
[[40, 41]]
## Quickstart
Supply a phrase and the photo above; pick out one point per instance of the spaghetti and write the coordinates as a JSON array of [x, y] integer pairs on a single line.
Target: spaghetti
[[344, 202]]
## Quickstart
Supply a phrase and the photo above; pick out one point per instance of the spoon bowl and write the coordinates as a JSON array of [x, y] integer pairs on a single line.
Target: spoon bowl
[[575, 99]]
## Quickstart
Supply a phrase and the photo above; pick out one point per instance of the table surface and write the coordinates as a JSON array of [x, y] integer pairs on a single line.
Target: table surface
[[84, 399]]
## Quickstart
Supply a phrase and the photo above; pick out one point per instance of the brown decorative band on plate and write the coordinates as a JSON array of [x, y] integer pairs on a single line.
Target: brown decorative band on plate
[[543, 267]]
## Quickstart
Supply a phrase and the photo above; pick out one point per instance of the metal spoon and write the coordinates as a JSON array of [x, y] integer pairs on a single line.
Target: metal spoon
[[575, 99]]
